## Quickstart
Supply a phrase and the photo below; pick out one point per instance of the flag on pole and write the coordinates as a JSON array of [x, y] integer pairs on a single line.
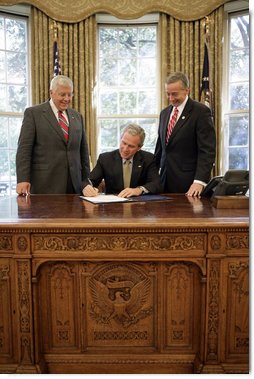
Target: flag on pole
[[205, 88], [57, 67]]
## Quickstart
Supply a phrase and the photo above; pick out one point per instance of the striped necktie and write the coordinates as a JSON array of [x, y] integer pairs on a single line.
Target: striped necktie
[[64, 124], [171, 124]]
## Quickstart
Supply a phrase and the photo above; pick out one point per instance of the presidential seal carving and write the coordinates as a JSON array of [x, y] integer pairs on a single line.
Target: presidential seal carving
[[120, 293]]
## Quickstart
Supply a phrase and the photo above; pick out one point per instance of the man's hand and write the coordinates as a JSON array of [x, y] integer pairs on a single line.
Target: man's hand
[[90, 191], [23, 188], [128, 192], [195, 190]]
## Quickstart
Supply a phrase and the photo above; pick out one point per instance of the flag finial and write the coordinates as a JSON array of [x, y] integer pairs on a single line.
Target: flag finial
[[54, 27]]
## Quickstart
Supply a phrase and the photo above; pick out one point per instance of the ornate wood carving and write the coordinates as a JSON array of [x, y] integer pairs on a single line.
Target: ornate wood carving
[[229, 243], [24, 296], [213, 310], [216, 242], [173, 242], [58, 296], [237, 241], [183, 304], [5, 310], [22, 243], [6, 243], [118, 293], [238, 307], [120, 305]]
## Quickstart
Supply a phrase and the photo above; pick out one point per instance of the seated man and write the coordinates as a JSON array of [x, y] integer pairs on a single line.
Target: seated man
[[127, 171]]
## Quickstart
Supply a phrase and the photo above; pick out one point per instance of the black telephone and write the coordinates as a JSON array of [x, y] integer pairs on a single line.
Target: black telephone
[[234, 182]]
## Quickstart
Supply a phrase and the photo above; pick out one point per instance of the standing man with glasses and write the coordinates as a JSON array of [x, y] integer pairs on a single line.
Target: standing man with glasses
[[186, 144], [52, 155]]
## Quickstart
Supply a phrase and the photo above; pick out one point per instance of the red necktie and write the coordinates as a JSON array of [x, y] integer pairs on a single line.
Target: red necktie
[[64, 124], [171, 124]]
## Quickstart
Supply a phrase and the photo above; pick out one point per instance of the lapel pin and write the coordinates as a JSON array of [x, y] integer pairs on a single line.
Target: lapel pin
[[183, 117], [139, 166]]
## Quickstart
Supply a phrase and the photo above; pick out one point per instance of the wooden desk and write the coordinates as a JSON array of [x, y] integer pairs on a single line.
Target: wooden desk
[[149, 287]]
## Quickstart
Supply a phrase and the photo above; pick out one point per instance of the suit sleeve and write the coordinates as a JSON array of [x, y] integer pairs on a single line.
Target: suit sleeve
[[158, 147], [84, 155], [206, 143], [25, 147], [97, 174], [153, 182]]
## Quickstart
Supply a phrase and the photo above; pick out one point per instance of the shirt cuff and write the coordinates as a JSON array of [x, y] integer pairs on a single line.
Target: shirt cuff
[[143, 189], [200, 182]]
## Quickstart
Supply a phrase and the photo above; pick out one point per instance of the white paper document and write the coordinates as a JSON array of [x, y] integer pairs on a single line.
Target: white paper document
[[104, 199]]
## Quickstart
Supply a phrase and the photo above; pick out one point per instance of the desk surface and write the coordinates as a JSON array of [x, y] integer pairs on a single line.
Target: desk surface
[[62, 210]]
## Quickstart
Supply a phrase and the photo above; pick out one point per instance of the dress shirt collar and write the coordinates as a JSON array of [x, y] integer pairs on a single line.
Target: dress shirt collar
[[55, 110], [130, 160], [181, 106]]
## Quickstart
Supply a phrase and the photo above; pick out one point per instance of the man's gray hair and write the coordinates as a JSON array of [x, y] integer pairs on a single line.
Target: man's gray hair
[[61, 80], [176, 77], [135, 130]]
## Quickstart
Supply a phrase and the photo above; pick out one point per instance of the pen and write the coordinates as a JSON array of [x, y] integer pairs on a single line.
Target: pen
[[89, 181]]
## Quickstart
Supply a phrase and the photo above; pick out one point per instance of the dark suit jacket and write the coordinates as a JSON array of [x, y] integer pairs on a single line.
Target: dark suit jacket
[[110, 168], [44, 158], [190, 152]]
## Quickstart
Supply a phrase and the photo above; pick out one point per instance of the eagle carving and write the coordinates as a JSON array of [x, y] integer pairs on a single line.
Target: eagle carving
[[119, 299]]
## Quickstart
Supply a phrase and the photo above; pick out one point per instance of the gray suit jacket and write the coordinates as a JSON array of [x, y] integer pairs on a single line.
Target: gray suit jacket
[[109, 167], [190, 152], [44, 158]]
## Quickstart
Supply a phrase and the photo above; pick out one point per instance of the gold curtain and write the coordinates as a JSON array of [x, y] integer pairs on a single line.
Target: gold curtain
[[182, 49], [77, 47], [64, 11]]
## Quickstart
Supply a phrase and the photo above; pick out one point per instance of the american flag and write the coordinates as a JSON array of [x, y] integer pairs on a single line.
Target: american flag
[[57, 67], [205, 87]]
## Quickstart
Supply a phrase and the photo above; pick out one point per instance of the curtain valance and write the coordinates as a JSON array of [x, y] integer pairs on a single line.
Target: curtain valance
[[66, 11]]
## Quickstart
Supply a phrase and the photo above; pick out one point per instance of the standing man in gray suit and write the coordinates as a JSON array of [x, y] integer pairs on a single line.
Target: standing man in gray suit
[[186, 144], [52, 155]]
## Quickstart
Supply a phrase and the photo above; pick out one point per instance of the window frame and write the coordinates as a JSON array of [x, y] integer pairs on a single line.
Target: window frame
[[22, 12], [108, 20], [231, 9]]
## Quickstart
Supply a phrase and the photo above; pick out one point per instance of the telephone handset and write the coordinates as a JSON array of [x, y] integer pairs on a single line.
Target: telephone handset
[[234, 182]]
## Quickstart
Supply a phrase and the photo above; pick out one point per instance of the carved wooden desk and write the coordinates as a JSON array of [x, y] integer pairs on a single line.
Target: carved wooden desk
[[142, 287]]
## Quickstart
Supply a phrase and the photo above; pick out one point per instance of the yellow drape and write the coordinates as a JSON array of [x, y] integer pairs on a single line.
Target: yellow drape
[[75, 11], [77, 47]]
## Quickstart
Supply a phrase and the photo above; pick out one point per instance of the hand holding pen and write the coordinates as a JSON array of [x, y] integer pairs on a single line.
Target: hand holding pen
[[90, 190]]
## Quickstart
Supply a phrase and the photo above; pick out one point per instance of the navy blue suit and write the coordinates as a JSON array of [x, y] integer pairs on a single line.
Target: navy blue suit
[[190, 152]]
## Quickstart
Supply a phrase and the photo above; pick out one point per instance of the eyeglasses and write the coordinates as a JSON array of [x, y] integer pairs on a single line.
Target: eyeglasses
[[62, 94]]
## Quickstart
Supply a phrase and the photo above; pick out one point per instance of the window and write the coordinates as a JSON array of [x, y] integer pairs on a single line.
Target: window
[[236, 106], [14, 93], [128, 82]]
